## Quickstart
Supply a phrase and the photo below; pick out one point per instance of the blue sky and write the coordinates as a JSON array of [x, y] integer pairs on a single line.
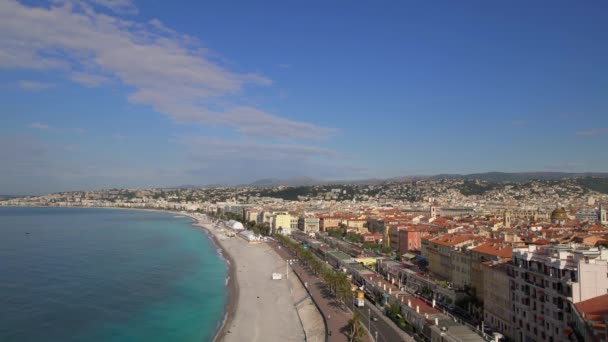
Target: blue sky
[[120, 93]]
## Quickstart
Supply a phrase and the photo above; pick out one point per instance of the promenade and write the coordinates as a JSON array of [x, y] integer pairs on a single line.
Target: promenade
[[336, 315]]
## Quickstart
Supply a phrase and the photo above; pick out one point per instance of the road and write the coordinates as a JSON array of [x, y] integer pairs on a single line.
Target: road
[[387, 330], [336, 315]]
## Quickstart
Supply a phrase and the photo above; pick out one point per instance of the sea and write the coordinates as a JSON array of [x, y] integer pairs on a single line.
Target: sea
[[83, 274]]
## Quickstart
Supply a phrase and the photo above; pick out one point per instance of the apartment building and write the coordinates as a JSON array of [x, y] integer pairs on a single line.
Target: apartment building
[[497, 307], [308, 224], [329, 222], [461, 268], [489, 251], [281, 222], [438, 252], [545, 280]]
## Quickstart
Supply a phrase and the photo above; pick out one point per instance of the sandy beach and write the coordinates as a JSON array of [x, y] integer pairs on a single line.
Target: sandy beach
[[259, 308]]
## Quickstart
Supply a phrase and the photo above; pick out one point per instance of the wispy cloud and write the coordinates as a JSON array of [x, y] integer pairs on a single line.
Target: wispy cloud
[[206, 149], [284, 66], [168, 71], [88, 80], [39, 125], [118, 6], [33, 85], [593, 132], [519, 122]]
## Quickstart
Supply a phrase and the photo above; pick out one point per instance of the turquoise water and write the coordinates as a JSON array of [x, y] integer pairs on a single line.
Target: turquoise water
[[107, 275]]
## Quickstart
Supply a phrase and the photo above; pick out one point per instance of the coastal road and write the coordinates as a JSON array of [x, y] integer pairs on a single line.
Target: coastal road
[[387, 330], [335, 315]]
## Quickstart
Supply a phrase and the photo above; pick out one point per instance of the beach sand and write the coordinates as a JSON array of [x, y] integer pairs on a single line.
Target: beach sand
[[259, 308]]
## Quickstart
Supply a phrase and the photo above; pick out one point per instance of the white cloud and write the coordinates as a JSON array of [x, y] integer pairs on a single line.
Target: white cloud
[[206, 149], [118, 6], [33, 85], [168, 71], [39, 125], [88, 80]]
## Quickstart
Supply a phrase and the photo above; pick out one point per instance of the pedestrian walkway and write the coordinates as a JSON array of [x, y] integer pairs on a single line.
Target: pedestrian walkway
[[336, 315]]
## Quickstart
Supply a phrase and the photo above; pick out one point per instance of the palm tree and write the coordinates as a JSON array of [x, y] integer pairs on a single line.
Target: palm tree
[[356, 332]]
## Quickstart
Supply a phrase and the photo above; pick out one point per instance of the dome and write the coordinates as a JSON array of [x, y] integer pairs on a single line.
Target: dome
[[559, 214]]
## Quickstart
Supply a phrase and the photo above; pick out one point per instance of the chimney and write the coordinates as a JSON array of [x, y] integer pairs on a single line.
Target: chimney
[[433, 303], [409, 303], [417, 309], [436, 321]]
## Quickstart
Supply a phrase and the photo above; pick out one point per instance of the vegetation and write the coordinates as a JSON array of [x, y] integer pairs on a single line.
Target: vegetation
[[469, 188], [377, 247], [594, 183], [356, 332], [337, 282]]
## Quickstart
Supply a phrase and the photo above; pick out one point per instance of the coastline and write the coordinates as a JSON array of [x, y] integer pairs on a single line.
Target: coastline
[[232, 288], [257, 308]]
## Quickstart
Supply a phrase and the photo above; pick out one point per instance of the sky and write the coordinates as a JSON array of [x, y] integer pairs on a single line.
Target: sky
[[134, 94]]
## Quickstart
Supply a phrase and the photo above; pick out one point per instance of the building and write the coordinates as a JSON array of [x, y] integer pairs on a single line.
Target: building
[[410, 239], [603, 218], [490, 251], [545, 280], [294, 222], [559, 216], [281, 223], [327, 222], [587, 215], [308, 224], [438, 252], [591, 318], [461, 268], [497, 310]]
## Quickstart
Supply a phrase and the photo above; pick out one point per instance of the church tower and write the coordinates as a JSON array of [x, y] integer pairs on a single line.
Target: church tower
[[434, 210], [507, 219]]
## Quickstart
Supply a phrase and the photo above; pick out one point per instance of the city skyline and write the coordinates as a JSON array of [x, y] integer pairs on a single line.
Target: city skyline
[[104, 94]]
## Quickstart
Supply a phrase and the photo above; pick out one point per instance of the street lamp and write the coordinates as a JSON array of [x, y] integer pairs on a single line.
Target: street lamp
[[369, 319]]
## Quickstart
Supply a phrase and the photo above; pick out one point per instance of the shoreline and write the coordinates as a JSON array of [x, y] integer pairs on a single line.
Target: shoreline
[[253, 291], [232, 288]]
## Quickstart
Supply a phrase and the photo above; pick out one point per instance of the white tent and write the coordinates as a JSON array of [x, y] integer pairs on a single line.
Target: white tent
[[250, 236], [236, 225]]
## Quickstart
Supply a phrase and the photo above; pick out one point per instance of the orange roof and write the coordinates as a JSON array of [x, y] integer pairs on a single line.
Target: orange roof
[[594, 309], [596, 229], [451, 239], [495, 249]]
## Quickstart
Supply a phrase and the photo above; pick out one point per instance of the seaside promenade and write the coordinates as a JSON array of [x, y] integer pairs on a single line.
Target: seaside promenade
[[262, 309], [336, 316]]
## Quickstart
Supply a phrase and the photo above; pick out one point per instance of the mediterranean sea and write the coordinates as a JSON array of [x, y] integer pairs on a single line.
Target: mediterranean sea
[[82, 274]]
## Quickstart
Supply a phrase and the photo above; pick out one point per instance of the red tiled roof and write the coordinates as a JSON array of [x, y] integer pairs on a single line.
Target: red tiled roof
[[495, 249], [594, 309]]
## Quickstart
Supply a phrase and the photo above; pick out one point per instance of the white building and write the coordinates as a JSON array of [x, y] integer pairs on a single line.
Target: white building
[[545, 280]]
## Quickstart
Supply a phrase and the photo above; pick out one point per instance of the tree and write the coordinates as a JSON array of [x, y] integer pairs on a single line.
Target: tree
[[356, 332]]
